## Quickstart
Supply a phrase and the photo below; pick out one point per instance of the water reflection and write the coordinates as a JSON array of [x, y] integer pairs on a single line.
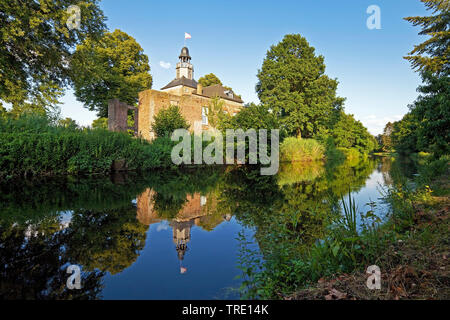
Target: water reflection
[[197, 209], [115, 228]]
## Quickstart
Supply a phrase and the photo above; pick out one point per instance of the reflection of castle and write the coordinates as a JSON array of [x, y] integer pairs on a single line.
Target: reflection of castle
[[181, 236], [196, 211]]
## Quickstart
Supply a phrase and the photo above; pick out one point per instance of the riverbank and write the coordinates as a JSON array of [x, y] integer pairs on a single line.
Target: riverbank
[[34, 146], [413, 253]]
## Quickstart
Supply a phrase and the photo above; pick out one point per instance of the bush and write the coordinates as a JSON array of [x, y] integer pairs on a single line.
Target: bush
[[296, 149], [350, 153], [167, 121], [34, 146]]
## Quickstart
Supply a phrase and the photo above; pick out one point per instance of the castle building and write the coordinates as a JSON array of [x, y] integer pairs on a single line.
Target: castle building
[[184, 92]]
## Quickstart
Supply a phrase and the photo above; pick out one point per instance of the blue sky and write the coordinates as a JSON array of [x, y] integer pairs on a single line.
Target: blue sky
[[231, 38]]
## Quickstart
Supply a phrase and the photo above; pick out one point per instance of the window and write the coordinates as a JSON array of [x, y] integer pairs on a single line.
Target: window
[[205, 115], [229, 94], [202, 201]]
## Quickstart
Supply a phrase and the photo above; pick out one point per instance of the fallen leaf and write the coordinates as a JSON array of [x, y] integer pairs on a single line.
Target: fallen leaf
[[335, 295]]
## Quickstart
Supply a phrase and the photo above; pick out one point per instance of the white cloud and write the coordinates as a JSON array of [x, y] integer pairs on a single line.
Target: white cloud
[[162, 226], [165, 65], [376, 124]]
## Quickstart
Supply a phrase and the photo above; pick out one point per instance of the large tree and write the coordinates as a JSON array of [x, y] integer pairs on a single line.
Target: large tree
[[209, 80], [351, 133], [35, 47], [113, 67], [426, 126], [292, 82], [404, 136], [433, 55], [432, 111]]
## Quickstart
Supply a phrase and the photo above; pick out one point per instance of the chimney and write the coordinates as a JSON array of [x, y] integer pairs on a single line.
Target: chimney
[[199, 89]]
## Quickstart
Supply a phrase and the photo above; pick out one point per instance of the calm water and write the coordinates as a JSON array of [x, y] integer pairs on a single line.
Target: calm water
[[164, 235]]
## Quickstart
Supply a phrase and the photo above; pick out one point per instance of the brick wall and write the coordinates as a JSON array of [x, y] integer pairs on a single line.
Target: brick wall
[[152, 101]]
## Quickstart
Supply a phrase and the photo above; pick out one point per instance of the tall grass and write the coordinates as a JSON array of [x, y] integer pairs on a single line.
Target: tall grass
[[349, 215], [301, 150]]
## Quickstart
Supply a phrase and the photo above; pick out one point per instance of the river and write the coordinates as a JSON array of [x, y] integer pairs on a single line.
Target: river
[[166, 235]]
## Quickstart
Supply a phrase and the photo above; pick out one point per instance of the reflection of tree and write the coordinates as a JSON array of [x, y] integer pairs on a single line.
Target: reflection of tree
[[32, 200], [294, 172], [297, 205], [248, 195], [108, 240], [168, 205], [289, 215], [385, 167], [33, 264], [172, 188]]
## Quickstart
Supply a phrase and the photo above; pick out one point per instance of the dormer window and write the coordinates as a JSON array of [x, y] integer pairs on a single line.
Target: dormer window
[[229, 94]]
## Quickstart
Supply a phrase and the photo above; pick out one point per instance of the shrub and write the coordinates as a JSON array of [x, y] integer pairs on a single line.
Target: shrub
[[167, 121], [350, 153], [296, 149], [34, 146]]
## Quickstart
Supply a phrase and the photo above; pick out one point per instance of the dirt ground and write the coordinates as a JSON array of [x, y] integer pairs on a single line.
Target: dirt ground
[[417, 268]]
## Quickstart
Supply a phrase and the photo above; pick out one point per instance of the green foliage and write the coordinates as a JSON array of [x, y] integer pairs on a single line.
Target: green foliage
[[209, 80], [350, 133], [106, 240], [385, 140], [297, 150], [432, 111], [167, 121], [432, 55], [100, 123], [31, 145], [292, 82], [35, 46], [112, 67], [404, 138], [251, 117], [298, 172], [426, 126], [216, 113], [350, 153], [68, 123], [20, 254]]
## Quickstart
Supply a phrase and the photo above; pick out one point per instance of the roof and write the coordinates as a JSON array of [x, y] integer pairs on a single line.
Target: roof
[[219, 90], [184, 53], [183, 81]]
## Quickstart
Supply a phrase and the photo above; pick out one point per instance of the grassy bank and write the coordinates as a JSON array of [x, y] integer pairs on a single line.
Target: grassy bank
[[294, 149], [411, 249], [34, 146]]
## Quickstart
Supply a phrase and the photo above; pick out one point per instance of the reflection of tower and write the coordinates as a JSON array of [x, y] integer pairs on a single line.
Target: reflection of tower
[[181, 236]]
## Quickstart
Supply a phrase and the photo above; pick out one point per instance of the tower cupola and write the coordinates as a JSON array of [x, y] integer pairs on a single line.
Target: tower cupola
[[184, 67]]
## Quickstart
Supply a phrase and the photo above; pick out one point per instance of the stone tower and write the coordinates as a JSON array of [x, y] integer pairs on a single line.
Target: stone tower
[[184, 67]]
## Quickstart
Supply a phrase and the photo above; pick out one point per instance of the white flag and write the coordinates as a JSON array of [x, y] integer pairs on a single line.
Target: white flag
[[187, 35]]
